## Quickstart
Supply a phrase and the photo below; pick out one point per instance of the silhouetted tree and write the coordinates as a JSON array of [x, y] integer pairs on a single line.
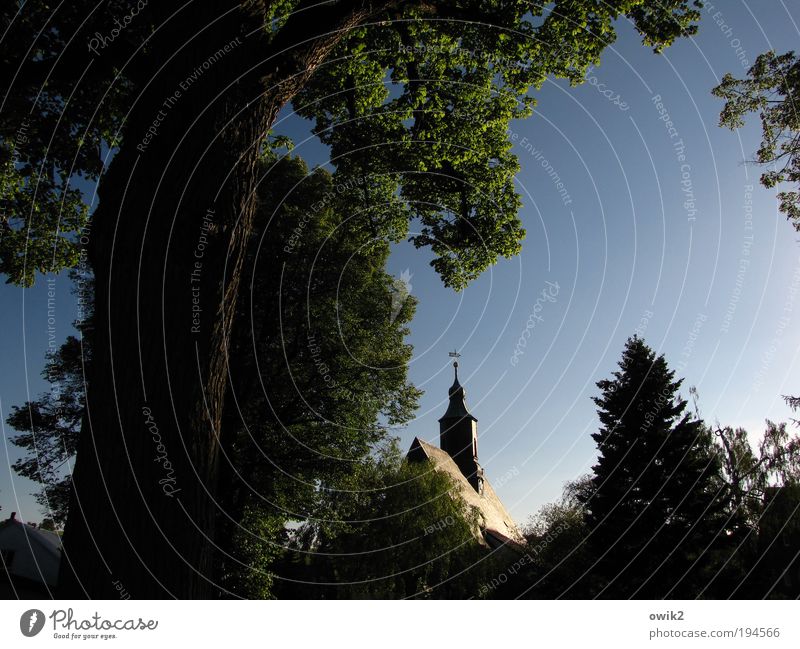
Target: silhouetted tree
[[48, 524], [775, 462], [51, 424], [775, 573], [657, 506], [762, 483], [556, 540]]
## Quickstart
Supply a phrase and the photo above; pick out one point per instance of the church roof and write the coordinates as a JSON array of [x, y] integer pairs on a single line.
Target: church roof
[[495, 521]]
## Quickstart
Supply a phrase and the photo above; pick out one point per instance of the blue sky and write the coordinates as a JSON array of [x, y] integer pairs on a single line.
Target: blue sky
[[690, 250]]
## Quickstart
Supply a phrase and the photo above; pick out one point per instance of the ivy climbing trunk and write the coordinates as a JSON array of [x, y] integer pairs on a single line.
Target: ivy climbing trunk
[[167, 245]]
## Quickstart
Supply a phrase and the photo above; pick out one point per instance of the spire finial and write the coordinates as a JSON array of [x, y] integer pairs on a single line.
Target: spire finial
[[456, 355]]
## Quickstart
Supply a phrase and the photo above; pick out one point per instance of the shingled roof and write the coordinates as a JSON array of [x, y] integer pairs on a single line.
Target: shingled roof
[[496, 525]]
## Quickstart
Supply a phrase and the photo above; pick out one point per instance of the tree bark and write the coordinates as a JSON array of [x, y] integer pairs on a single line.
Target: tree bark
[[167, 245]]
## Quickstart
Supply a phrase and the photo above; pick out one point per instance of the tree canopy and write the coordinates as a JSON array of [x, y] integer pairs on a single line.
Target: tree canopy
[[318, 367], [398, 101], [49, 427], [771, 89]]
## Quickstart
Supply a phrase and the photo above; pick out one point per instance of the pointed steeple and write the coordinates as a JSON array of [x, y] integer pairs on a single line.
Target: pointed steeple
[[457, 408]]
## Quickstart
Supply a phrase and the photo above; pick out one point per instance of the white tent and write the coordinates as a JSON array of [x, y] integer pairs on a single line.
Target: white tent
[[29, 553]]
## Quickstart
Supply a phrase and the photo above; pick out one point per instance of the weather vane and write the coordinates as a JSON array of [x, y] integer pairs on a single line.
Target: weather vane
[[456, 355]]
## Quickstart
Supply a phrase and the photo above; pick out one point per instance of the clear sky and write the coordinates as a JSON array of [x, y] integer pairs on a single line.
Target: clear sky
[[664, 231]]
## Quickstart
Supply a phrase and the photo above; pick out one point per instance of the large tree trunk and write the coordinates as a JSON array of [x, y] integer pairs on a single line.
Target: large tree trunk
[[167, 246]]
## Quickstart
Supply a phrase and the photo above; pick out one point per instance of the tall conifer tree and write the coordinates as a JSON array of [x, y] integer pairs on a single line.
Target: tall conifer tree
[[656, 508]]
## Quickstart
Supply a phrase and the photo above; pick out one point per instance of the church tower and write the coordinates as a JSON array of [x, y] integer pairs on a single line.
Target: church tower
[[458, 435], [457, 458]]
